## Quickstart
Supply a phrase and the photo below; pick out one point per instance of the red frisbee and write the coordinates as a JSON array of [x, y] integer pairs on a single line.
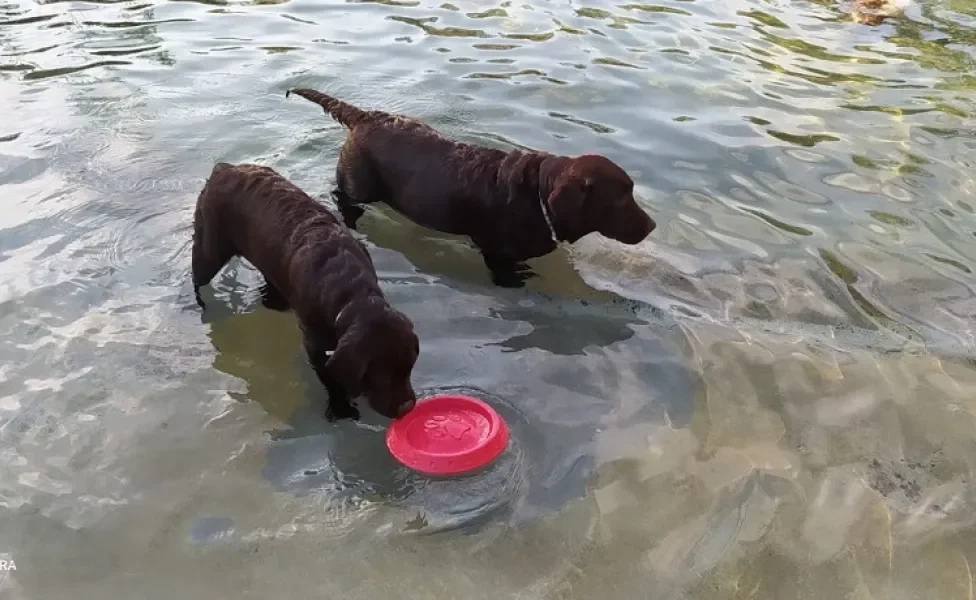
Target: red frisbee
[[448, 435]]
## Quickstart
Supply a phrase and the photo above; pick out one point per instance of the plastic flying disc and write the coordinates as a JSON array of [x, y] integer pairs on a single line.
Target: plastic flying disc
[[448, 435]]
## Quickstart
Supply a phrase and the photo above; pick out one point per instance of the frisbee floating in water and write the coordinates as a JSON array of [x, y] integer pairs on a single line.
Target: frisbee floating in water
[[448, 435]]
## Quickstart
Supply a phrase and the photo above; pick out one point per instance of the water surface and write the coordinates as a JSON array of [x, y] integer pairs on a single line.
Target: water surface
[[773, 397]]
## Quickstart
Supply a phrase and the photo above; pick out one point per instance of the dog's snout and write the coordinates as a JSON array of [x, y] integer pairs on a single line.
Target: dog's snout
[[406, 407], [640, 229], [634, 234]]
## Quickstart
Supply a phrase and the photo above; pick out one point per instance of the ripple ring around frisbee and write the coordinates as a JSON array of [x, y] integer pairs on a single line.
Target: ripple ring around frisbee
[[448, 435]]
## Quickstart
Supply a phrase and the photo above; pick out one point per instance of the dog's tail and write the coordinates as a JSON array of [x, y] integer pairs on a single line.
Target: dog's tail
[[347, 114]]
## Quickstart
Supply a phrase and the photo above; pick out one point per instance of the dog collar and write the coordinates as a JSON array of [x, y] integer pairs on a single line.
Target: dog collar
[[545, 215], [338, 316]]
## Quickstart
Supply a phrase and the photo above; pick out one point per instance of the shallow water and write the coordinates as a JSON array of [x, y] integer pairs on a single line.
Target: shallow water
[[773, 397]]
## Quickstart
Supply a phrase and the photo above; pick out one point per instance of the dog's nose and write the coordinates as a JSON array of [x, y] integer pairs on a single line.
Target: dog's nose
[[406, 407]]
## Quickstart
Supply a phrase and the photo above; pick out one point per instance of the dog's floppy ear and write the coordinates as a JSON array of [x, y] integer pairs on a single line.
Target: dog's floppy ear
[[566, 204], [347, 363]]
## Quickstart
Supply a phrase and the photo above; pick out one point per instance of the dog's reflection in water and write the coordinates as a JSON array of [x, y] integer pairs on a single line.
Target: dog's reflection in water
[[263, 348]]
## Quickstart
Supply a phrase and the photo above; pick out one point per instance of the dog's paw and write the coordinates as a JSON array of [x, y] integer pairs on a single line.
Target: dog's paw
[[338, 413], [192, 302], [509, 280], [351, 214], [192, 307], [513, 278]]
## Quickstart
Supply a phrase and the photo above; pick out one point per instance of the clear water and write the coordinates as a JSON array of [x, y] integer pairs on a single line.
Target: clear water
[[773, 397]]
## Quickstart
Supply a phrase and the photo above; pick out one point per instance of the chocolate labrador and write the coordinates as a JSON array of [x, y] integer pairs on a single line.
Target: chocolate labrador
[[355, 341], [514, 205]]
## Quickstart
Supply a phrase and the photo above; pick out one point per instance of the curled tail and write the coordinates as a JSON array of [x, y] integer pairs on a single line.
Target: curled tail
[[347, 114]]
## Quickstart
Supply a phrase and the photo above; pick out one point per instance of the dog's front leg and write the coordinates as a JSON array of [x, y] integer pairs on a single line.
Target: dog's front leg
[[506, 272], [340, 405]]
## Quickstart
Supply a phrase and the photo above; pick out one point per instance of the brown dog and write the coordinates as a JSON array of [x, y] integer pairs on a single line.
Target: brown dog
[[875, 12], [355, 341], [513, 205]]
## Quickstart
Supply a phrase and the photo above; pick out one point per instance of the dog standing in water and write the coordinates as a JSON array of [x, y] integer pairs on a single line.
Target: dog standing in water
[[355, 341], [514, 205]]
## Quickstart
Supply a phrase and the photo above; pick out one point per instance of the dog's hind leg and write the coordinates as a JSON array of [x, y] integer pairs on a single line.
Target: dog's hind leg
[[350, 211], [356, 184], [272, 298], [208, 257]]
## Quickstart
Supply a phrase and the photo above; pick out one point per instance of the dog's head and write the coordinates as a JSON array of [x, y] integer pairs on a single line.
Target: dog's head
[[375, 357], [590, 193]]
